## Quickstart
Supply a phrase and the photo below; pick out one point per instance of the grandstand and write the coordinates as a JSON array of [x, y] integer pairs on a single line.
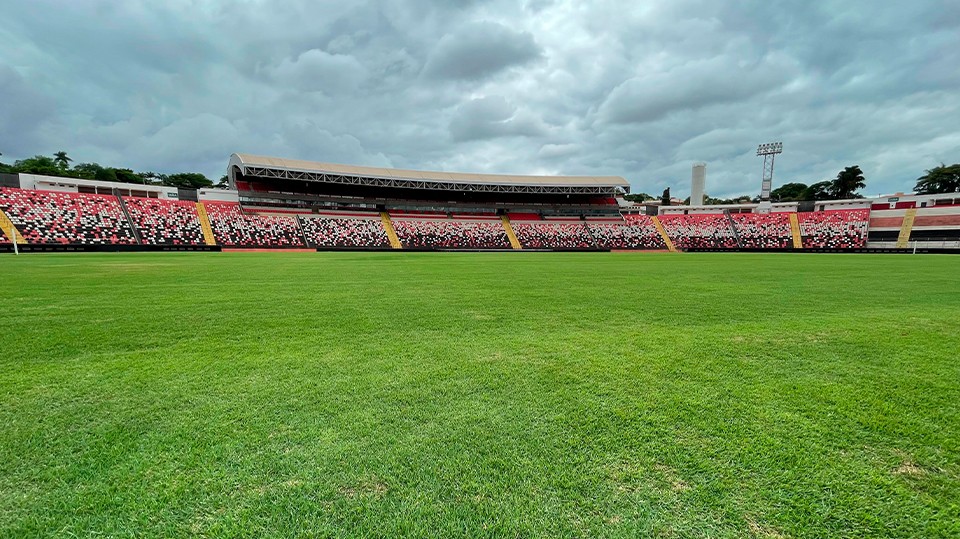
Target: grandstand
[[288, 204]]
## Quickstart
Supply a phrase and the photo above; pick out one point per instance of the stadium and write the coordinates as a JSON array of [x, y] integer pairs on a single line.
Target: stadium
[[291, 357], [481, 269], [277, 203]]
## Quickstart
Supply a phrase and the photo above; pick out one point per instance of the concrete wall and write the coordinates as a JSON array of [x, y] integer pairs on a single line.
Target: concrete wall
[[71, 185]]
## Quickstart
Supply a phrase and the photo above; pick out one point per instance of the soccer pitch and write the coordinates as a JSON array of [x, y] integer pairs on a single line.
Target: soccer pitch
[[479, 394]]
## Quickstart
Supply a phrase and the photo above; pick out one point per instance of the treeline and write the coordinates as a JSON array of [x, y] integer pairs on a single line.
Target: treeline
[[59, 165], [847, 184]]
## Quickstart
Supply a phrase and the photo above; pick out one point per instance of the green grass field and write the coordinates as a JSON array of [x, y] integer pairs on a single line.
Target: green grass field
[[472, 394]]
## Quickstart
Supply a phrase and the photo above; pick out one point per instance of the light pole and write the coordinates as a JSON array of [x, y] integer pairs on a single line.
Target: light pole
[[769, 152]]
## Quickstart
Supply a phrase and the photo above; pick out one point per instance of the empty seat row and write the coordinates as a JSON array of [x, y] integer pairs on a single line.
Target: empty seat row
[[763, 230], [53, 217], [451, 234], [345, 232], [554, 235], [834, 229], [699, 231], [234, 228], [635, 232], [165, 222]]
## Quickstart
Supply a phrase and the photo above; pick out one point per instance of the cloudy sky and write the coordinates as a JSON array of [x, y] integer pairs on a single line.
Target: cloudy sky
[[637, 89]]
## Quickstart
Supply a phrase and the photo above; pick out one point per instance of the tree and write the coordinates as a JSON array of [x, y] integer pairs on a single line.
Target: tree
[[942, 179], [38, 164], [848, 181], [87, 171], [125, 175], [105, 175], [192, 180], [224, 182], [817, 191], [61, 159], [665, 197], [788, 192], [639, 197], [154, 178]]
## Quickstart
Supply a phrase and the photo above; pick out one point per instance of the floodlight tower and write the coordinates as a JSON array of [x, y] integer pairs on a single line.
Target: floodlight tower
[[769, 152]]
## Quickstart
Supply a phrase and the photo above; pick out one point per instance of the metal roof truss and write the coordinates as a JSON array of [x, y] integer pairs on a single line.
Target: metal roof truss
[[406, 183]]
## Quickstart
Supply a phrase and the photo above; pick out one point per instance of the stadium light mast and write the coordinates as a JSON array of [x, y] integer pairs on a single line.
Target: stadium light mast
[[769, 152]]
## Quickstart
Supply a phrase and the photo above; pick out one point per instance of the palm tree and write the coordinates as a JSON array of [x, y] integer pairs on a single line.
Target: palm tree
[[848, 181], [61, 159], [942, 179]]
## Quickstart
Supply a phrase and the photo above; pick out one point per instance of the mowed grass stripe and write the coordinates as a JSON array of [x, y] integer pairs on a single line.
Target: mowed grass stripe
[[481, 394]]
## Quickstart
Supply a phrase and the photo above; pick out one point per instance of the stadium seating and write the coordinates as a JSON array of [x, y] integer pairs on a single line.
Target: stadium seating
[[344, 232], [233, 228], [834, 229], [451, 234], [635, 232], [52, 217], [763, 230], [165, 222], [553, 235], [699, 231]]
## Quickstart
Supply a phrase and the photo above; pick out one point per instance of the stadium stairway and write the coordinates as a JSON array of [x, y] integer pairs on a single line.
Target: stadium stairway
[[391, 233], [7, 225], [208, 236], [906, 227], [126, 213], [663, 234], [303, 235], [733, 227], [795, 231], [511, 235]]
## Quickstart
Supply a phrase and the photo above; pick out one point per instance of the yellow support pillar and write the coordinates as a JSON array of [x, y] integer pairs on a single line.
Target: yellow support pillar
[[795, 231], [906, 227], [391, 233], [514, 242], [208, 236], [663, 234], [7, 225]]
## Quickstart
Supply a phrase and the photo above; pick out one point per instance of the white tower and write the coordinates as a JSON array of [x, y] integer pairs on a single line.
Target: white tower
[[698, 181]]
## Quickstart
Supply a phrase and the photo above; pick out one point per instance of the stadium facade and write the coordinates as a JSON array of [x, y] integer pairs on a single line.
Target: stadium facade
[[276, 203]]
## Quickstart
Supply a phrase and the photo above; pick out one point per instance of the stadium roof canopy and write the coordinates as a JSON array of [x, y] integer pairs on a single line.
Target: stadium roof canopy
[[265, 168]]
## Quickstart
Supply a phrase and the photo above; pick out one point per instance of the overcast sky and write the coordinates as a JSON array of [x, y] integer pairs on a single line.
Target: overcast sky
[[637, 89]]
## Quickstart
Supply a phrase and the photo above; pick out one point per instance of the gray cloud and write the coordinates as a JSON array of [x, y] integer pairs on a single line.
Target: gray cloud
[[492, 117], [478, 50], [641, 90], [318, 70], [691, 86], [23, 111]]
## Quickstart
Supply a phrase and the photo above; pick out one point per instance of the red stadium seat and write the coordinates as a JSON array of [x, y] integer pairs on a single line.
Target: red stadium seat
[[834, 229], [165, 222], [764, 230], [634, 232], [451, 234], [699, 231], [556, 235], [345, 232], [233, 228], [53, 217]]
